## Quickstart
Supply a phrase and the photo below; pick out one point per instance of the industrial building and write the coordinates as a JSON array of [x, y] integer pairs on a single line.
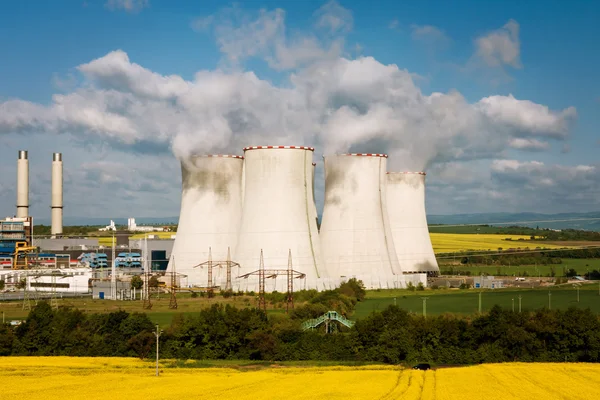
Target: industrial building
[[408, 221], [244, 214], [355, 234]]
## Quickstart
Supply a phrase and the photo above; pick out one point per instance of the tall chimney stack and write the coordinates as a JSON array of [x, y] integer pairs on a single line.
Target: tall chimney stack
[[57, 194], [22, 185]]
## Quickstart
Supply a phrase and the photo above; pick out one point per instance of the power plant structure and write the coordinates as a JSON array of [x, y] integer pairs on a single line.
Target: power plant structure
[[57, 195], [355, 234], [234, 208], [22, 185], [408, 220], [209, 220], [278, 217], [247, 221]]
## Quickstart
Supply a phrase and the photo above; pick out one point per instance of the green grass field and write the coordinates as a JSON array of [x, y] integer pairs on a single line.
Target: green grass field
[[581, 265], [467, 301]]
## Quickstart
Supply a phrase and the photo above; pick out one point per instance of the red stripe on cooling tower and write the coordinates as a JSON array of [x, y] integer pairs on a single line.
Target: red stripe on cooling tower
[[365, 154], [222, 155], [415, 173], [279, 147]]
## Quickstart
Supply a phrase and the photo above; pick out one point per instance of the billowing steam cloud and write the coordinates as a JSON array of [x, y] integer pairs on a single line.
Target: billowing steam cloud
[[326, 100]]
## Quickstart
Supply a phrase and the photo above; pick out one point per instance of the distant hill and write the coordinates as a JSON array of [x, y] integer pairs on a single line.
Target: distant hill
[[584, 221], [69, 221]]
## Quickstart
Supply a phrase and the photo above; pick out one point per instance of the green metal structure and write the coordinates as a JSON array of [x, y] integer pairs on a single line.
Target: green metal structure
[[326, 319]]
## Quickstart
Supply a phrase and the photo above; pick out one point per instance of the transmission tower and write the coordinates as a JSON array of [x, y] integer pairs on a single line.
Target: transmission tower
[[212, 264], [209, 285], [264, 274], [262, 304], [26, 295], [146, 292], [228, 282], [53, 300], [173, 300], [290, 285]]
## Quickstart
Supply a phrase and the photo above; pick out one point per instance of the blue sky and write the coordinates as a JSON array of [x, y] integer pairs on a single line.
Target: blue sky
[[546, 55]]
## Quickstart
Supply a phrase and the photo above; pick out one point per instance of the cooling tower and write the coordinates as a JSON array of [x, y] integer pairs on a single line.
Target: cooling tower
[[211, 201], [57, 194], [406, 211], [22, 185], [278, 216], [355, 234]]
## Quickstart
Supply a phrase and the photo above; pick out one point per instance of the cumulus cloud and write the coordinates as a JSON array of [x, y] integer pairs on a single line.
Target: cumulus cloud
[[429, 35], [512, 186], [334, 17], [130, 6], [241, 35], [325, 99], [339, 104], [500, 47], [528, 144]]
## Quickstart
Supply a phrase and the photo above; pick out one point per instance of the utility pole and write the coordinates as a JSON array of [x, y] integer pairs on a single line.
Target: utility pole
[[513, 304], [577, 293], [480, 301], [290, 284], [520, 297], [228, 285], [157, 334], [424, 306], [262, 304], [173, 299], [113, 278], [549, 300]]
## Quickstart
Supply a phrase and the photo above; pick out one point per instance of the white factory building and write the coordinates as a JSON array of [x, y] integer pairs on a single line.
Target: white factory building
[[374, 226]]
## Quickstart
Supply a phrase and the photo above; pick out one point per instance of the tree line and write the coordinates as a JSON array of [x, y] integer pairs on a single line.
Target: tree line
[[390, 336]]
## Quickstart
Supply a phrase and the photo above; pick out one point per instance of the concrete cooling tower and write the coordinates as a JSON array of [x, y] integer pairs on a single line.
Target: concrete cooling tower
[[279, 215], [211, 203], [355, 235], [406, 210]]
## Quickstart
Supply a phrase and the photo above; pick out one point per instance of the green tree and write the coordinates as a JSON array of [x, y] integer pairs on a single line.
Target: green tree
[[153, 282], [353, 288], [136, 282]]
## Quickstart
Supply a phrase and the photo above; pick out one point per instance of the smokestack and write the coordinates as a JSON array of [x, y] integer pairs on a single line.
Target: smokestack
[[22, 185], [57, 194]]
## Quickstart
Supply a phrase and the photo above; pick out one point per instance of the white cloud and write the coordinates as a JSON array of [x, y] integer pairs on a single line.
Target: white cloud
[[327, 100], [394, 24], [334, 17], [528, 144], [338, 104], [241, 35], [527, 116], [500, 47], [200, 24], [130, 6], [429, 35]]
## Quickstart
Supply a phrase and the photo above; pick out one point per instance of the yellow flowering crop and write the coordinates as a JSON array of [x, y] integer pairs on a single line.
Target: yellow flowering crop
[[87, 378], [453, 242]]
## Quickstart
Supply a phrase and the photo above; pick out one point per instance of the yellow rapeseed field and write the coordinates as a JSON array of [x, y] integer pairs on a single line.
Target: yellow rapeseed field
[[64, 378], [452, 242], [442, 242]]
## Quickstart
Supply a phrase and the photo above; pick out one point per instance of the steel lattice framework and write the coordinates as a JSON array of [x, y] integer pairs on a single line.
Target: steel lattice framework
[[270, 273]]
